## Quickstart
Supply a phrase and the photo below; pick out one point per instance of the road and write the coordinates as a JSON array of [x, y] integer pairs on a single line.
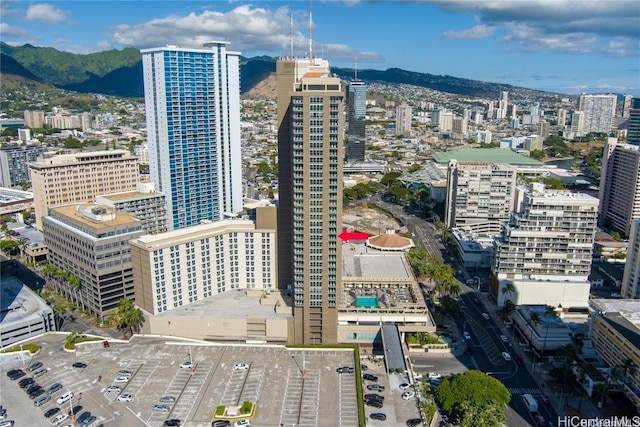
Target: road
[[486, 343]]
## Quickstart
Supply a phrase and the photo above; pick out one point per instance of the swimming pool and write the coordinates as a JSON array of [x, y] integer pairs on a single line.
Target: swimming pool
[[366, 301]]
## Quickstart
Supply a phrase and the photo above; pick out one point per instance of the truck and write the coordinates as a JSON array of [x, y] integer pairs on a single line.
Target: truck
[[530, 402]]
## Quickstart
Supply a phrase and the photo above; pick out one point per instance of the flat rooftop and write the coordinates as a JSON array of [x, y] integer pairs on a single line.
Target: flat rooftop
[[131, 195], [359, 261], [485, 155], [18, 303], [233, 304], [120, 218]]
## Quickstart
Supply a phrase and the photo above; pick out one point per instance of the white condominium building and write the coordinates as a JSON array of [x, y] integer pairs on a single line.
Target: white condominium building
[[545, 249], [480, 196]]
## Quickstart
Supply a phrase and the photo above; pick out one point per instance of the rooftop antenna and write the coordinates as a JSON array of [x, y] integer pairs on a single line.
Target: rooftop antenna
[[310, 32], [291, 36], [355, 70]]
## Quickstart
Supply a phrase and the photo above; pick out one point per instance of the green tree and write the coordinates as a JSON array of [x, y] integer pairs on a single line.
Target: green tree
[[127, 317], [550, 313], [475, 398], [537, 154], [10, 247], [508, 290], [73, 143]]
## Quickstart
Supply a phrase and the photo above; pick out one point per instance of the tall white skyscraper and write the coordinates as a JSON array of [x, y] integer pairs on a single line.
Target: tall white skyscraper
[[403, 119], [599, 111], [192, 100]]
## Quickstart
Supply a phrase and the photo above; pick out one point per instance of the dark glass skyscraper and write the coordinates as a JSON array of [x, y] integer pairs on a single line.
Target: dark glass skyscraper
[[356, 111]]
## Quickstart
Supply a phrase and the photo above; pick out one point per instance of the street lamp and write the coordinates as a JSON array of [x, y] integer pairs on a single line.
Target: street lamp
[[73, 416]]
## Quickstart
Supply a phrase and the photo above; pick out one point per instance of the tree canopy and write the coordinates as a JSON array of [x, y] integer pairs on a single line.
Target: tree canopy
[[475, 398], [128, 317]]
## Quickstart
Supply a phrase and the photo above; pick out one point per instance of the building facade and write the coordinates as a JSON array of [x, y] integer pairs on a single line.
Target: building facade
[[78, 178], [34, 119], [631, 279], [403, 119], [544, 251], [145, 204], [92, 243], [615, 333], [619, 186], [480, 196], [184, 266], [633, 133], [192, 99], [599, 111], [310, 152], [14, 163], [356, 119]]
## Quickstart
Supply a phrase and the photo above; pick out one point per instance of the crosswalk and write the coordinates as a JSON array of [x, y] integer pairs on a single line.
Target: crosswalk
[[523, 390]]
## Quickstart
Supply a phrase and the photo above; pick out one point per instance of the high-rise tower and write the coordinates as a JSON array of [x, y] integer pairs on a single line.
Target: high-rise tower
[[599, 111], [356, 112], [310, 152], [193, 123]]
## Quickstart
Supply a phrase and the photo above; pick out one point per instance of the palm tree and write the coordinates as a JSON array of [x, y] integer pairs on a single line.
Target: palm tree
[[629, 369], [508, 308], [549, 313], [508, 289], [601, 392], [128, 317]]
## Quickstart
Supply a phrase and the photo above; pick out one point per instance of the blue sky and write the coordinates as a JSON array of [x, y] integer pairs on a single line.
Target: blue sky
[[564, 46]]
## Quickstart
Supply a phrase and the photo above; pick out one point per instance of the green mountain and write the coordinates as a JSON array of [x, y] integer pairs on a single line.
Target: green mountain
[[119, 72]]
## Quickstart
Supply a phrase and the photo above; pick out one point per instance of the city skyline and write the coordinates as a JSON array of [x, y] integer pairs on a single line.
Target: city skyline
[[545, 45]]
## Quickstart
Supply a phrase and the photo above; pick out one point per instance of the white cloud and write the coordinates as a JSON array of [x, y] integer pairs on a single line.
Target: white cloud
[[249, 28], [46, 13], [476, 32], [557, 24], [7, 30]]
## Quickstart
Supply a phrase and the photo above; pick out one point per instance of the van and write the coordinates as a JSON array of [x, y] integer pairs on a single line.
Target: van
[[530, 402], [64, 397], [41, 400]]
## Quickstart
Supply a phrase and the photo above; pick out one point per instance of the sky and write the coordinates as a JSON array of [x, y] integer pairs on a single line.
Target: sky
[[564, 46]]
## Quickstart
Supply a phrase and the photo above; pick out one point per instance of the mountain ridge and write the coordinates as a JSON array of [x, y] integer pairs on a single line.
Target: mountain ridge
[[119, 73]]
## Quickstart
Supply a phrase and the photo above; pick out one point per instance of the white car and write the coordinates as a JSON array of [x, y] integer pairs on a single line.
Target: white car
[[467, 336], [114, 388], [58, 419], [417, 376], [125, 397], [186, 365], [506, 356], [486, 316], [408, 395], [404, 386], [124, 362], [124, 373], [242, 423], [434, 375], [240, 367], [121, 380], [504, 338]]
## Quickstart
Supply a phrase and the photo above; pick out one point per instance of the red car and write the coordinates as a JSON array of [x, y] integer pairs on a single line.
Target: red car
[[518, 360]]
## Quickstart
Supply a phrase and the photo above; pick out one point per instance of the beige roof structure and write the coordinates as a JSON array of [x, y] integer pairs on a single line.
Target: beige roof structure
[[390, 241]]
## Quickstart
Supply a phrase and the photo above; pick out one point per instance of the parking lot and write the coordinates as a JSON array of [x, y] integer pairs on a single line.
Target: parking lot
[[290, 386]]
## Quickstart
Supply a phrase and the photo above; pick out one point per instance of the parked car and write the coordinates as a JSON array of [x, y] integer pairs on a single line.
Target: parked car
[[75, 410], [364, 367], [506, 356], [88, 421], [504, 338], [79, 365], [345, 370], [404, 386], [51, 412], [83, 417], [15, 374], [373, 396], [518, 360], [172, 422], [26, 382], [36, 393], [370, 377], [242, 423], [121, 380], [114, 388], [34, 366], [161, 408], [240, 367], [467, 335], [58, 419], [378, 416], [186, 365], [375, 387], [486, 316], [375, 403], [41, 400], [40, 372], [407, 395], [55, 387], [32, 387], [167, 399], [434, 375], [413, 422], [125, 398], [221, 423]]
